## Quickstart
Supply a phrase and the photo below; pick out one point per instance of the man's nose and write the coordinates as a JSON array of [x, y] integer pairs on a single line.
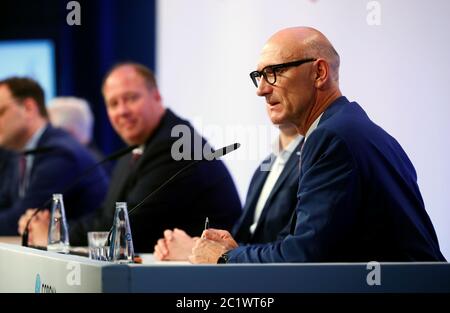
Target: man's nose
[[264, 88], [122, 108]]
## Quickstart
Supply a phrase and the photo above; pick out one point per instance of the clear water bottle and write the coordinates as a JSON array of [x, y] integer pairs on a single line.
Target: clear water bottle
[[121, 246], [58, 232]]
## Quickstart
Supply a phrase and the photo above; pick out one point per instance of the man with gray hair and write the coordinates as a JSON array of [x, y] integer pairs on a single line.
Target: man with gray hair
[[74, 115]]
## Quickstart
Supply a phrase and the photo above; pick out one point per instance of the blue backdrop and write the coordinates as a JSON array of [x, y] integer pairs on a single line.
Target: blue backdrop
[[111, 31]]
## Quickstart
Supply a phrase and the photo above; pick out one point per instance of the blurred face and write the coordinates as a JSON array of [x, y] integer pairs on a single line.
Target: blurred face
[[291, 98], [132, 108], [13, 121]]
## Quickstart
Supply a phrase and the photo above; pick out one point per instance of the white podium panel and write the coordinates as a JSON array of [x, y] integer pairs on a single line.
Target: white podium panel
[[30, 270]]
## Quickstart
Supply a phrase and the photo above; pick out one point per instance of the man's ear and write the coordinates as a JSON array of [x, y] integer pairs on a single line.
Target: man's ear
[[322, 73], [30, 105], [156, 95]]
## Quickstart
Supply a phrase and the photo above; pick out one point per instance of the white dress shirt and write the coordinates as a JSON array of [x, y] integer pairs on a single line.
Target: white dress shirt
[[275, 171]]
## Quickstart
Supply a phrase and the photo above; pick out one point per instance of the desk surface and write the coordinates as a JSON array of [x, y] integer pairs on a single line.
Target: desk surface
[[29, 270]]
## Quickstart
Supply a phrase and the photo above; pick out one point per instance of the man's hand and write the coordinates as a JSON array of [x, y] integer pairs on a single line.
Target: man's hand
[[220, 236], [211, 246], [24, 220], [38, 227], [175, 246]]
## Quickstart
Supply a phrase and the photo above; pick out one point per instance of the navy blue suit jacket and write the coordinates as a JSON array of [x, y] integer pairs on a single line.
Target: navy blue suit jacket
[[358, 199], [204, 190], [52, 172], [8, 178], [278, 209]]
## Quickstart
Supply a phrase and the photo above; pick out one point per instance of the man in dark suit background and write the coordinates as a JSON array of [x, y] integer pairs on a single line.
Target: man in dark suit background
[[358, 198], [135, 110], [58, 159], [270, 201], [8, 178], [272, 194]]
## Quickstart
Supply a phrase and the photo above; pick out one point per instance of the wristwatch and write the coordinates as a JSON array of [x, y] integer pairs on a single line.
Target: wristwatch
[[223, 259]]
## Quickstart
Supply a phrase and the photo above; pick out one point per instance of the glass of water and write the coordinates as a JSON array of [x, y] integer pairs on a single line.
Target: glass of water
[[98, 249]]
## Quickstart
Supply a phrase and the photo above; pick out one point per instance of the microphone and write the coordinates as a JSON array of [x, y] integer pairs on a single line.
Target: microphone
[[225, 150], [37, 150], [111, 157], [117, 154], [214, 155]]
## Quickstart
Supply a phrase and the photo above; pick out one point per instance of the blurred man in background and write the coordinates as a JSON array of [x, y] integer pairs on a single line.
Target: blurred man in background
[[136, 112], [49, 159], [8, 178], [74, 115]]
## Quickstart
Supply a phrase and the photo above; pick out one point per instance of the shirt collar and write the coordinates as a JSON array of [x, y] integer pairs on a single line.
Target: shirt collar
[[139, 149], [292, 145], [33, 142], [313, 126], [285, 153]]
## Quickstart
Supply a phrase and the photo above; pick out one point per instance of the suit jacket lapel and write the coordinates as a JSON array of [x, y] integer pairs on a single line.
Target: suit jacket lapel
[[123, 173], [291, 165], [41, 142], [129, 173], [250, 203], [256, 190], [330, 111]]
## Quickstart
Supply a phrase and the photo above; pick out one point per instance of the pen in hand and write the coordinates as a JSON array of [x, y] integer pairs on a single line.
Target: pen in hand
[[206, 225]]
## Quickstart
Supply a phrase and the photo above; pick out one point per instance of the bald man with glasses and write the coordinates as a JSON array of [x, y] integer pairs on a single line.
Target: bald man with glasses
[[358, 198]]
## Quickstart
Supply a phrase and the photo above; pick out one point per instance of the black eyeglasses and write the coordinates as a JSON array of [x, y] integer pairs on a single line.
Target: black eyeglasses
[[270, 72]]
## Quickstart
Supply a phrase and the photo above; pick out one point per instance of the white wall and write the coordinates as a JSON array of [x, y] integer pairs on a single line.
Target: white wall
[[398, 71]]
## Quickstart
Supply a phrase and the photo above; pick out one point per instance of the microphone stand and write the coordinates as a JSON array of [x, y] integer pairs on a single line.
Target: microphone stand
[[115, 155], [213, 156]]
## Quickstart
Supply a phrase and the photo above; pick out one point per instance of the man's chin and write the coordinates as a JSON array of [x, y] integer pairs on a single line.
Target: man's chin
[[277, 119], [131, 140]]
